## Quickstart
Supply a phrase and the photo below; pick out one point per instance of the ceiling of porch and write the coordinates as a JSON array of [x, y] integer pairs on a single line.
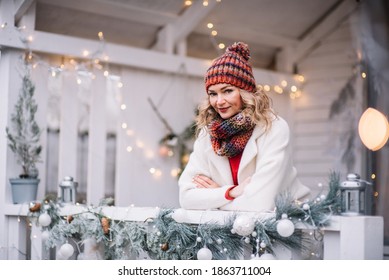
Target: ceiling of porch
[[268, 26]]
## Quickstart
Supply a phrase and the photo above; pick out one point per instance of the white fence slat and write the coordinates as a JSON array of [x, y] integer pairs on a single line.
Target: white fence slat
[[37, 249], [68, 127], [97, 140], [39, 79], [17, 238]]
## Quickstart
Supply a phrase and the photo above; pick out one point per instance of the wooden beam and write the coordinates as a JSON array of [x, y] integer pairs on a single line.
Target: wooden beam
[[115, 10], [189, 20], [253, 35], [321, 31], [22, 8], [6, 13], [178, 30], [123, 55]]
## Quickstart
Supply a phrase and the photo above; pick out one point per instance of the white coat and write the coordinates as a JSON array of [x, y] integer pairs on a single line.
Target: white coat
[[266, 158]]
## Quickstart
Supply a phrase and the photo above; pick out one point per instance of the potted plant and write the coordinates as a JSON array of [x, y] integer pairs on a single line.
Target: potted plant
[[23, 141]]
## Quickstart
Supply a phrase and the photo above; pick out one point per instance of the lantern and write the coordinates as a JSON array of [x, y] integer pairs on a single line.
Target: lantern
[[373, 129], [354, 199], [68, 190]]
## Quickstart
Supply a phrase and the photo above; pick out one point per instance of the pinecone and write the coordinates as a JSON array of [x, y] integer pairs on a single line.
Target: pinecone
[[69, 219], [165, 246], [105, 225], [35, 206]]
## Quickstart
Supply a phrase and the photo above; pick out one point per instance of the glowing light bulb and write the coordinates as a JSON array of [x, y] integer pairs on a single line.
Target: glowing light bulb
[[222, 46], [210, 25], [214, 33], [129, 149], [123, 107]]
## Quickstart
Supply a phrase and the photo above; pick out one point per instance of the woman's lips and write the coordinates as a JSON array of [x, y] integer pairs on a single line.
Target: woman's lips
[[223, 110]]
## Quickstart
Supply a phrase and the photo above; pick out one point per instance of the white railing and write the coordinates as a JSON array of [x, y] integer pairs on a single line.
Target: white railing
[[357, 237]]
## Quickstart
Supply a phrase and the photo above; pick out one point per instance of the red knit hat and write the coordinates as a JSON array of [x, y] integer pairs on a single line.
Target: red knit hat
[[232, 68]]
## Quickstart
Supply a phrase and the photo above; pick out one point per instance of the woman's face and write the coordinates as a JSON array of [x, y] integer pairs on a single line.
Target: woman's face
[[225, 99]]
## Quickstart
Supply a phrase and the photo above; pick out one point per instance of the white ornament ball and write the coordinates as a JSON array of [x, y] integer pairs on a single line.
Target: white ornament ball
[[255, 257], [322, 197], [66, 250], [199, 239], [247, 240], [179, 215], [204, 254], [219, 241], [44, 220], [267, 256], [45, 235], [263, 245], [285, 227], [306, 206], [59, 256], [243, 225]]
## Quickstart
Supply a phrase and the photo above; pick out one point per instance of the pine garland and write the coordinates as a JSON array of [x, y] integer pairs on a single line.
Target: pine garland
[[163, 238]]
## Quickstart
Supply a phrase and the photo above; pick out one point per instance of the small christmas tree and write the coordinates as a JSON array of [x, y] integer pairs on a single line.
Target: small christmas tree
[[24, 142]]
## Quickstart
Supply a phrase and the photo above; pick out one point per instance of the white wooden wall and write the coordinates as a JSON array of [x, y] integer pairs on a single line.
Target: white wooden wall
[[318, 140]]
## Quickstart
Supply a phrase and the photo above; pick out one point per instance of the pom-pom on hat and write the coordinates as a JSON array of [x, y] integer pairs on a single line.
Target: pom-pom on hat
[[232, 68]]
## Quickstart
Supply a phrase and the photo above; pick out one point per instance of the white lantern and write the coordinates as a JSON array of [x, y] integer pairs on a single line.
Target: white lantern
[[373, 129], [68, 190], [354, 201]]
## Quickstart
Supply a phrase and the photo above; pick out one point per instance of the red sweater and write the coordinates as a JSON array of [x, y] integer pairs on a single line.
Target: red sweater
[[234, 165]]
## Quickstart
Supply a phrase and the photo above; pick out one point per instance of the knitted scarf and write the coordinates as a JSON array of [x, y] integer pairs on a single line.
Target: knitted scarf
[[230, 136]]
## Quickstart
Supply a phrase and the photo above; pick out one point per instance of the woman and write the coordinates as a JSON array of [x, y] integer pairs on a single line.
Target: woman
[[242, 155]]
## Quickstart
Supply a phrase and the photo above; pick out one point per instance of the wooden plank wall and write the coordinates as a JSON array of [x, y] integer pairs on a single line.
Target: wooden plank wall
[[320, 141]]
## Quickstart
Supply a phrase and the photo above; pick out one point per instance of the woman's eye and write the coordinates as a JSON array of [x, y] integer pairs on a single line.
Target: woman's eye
[[228, 91], [212, 94]]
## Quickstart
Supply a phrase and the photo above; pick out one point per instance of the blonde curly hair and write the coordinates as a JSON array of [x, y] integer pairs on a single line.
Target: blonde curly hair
[[257, 106]]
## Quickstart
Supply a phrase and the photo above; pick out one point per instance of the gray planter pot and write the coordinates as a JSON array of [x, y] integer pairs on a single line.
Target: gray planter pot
[[24, 190]]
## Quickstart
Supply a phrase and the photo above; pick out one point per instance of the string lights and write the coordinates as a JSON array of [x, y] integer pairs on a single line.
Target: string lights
[[293, 90]]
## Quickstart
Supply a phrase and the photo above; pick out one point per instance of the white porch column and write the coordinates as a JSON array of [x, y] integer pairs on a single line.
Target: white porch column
[[10, 82], [354, 238]]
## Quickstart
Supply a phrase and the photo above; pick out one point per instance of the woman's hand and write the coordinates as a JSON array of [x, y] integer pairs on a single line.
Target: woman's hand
[[203, 181], [238, 190]]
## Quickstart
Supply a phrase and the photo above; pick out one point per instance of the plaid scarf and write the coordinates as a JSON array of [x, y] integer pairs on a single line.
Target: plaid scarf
[[229, 137]]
